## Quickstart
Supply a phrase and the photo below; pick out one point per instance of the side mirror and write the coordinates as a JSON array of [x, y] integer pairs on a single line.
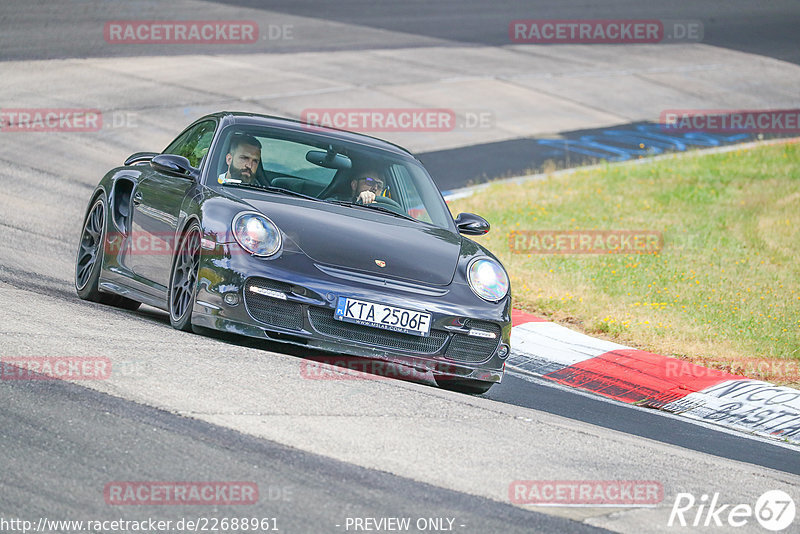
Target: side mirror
[[174, 165], [471, 224], [139, 158]]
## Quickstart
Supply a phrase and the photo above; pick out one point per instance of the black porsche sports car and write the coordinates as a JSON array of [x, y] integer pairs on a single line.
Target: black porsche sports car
[[285, 231]]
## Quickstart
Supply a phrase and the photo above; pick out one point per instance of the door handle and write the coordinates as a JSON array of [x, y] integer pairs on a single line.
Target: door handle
[[137, 198]]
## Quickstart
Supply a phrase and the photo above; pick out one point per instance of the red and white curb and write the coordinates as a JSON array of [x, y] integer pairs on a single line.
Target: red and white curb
[[553, 352]]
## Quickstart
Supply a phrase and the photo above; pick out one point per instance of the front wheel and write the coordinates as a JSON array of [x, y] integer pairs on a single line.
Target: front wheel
[[183, 279]]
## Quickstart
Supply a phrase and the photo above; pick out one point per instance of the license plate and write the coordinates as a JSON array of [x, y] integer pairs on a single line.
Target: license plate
[[382, 316]]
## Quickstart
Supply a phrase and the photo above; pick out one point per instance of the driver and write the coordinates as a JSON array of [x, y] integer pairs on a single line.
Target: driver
[[365, 186], [243, 160]]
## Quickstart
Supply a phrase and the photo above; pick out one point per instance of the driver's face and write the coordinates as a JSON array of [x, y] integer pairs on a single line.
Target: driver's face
[[243, 162], [369, 183]]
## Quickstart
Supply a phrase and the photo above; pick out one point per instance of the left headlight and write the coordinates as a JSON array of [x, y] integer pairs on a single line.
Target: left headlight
[[256, 234], [487, 279]]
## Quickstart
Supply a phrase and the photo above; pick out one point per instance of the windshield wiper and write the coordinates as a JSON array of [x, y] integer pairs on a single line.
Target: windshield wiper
[[270, 189], [373, 206]]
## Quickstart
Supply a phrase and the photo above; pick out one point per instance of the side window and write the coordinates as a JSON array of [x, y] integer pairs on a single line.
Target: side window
[[194, 143], [408, 194]]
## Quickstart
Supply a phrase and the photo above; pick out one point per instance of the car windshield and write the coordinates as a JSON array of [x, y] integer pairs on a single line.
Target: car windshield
[[312, 165]]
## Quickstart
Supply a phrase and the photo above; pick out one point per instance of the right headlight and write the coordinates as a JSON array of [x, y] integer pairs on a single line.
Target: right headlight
[[256, 234], [487, 279]]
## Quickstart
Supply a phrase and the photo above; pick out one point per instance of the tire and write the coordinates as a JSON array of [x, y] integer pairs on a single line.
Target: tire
[[90, 252], [89, 262], [460, 385], [183, 279]]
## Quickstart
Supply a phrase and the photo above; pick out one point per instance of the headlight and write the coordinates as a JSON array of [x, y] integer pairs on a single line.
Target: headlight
[[487, 279], [256, 234]]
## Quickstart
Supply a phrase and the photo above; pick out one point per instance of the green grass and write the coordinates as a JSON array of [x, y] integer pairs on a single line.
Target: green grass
[[725, 288]]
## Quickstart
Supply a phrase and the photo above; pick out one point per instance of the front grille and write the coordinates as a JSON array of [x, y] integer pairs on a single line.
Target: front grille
[[272, 311], [471, 349], [322, 320]]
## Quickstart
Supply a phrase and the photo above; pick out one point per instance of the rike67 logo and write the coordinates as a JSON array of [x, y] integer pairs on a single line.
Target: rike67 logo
[[774, 510]]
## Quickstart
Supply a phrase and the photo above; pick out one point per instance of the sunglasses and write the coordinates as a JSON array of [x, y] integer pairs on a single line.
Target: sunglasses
[[373, 182]]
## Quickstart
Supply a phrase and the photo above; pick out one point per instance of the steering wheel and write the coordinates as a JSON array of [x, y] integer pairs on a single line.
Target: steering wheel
[[389, 202]]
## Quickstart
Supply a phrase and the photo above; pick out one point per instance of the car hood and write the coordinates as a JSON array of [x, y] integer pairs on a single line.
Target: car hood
[[359, 239]]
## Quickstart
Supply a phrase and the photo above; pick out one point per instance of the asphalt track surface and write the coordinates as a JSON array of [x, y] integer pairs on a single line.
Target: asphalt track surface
[[539, 394], [69, 442], [211, 408], [41, 29]]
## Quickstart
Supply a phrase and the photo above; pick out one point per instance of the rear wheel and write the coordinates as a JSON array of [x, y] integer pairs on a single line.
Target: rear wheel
[[183, 279], [90, 259]]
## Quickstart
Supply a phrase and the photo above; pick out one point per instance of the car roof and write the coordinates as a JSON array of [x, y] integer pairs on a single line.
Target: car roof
[[255, 119]]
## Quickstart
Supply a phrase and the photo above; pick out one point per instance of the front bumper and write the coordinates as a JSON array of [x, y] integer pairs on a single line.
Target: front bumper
[[299, 304]]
